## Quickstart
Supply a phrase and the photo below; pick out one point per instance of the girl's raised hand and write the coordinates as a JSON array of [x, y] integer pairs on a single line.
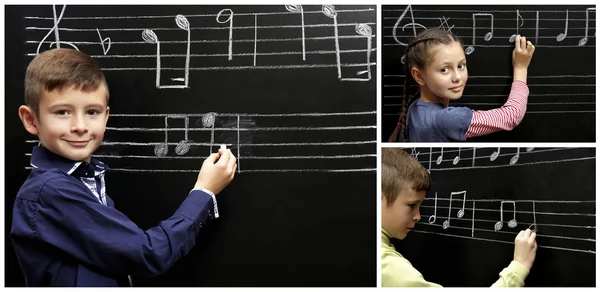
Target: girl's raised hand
[[522, 53]]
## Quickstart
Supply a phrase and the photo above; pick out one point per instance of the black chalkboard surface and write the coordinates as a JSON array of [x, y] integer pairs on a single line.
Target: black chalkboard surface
[[289, 89], [498, 192], [561, 76]]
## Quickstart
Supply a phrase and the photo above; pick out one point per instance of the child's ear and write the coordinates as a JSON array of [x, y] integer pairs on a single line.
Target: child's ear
[[29, 120], [416, 74]]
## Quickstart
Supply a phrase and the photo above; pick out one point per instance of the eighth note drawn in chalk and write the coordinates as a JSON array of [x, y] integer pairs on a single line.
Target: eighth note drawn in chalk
[[513, 222], [298, 9], [150, 37], [515, 158], [488, 36], [460, 212], [560, 37], [230, 20], [457, 158], [514, 36], [584, 40], [102, 41], [365, 30]]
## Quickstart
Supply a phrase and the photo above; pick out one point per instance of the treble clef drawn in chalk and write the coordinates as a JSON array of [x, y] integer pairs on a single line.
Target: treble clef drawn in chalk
[[298, 9], [514, 36], [488, 36], [584, 40], [513, 222], [230, 20], [54, 29], [150, 37], [460, 212]]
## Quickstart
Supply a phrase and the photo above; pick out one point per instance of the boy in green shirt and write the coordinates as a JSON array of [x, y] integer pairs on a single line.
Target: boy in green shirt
[[404, 183]]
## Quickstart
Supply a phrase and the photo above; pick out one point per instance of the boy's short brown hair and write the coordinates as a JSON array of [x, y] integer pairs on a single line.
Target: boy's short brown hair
[[59, 69], [398, 171]]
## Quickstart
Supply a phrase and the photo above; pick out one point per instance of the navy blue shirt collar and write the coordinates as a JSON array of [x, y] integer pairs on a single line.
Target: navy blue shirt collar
[[43, 159]]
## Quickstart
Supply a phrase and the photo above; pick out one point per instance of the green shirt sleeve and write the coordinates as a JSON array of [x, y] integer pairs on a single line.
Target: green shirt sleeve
[[396, 271], [512, 276]]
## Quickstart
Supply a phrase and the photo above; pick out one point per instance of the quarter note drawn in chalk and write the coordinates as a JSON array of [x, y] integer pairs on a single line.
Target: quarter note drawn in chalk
[[460, 212], [298, 9], [54, 29], [149, 36], [102, 41], [488, 36], [441, 157], [529, 149], [514, 36], [495, 154], [515, 158], [561, 36], [457, 158], [230, 20], [513, 222], [432, 217], [208, 121], [584, 40], [162, 149]]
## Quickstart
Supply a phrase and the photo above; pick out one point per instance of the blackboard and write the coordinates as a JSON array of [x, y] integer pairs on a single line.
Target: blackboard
[[561, 76], [552, 188], [291, 91]]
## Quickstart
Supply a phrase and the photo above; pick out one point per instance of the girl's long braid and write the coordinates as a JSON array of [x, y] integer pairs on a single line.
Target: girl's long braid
[[401, 126]]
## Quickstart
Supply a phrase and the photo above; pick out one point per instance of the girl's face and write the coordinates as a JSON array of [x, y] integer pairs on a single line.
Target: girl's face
[[445, 75]]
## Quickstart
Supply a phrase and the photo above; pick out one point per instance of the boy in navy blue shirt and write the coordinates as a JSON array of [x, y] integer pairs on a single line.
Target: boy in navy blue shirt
[[65, 229]]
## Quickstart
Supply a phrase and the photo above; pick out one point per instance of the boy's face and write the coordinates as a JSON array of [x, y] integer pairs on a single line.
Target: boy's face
[[71, 123], [446, 73], [401, 216]]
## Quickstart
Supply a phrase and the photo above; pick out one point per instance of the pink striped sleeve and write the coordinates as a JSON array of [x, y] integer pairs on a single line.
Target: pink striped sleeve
[[504, 118]]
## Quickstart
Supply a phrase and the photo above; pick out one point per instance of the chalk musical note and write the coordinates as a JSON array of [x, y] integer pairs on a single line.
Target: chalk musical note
[[184, 145], [238, 143], [441, 157], [515, 158], [230, 20], [102, 41], [255, 36], [329, 11], [413, 23], [529, 149], [149, 36], [537, 26], [298, 9], [560, 37], [365, 30], [488, 36], [208, 121], [514, 36], [584, 40], [432, 217], [54, 29], [163, 148], [457, 158], [460, 212], [495, 154], [513, 222]]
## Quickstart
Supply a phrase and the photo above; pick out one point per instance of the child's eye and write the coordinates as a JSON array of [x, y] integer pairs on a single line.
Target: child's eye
[[61, 112], [462, 66], [412, 206], [444, 70], [93, 112]]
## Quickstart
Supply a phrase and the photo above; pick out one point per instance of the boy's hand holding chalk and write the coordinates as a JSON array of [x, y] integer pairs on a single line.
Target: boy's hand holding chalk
[[217, 170]]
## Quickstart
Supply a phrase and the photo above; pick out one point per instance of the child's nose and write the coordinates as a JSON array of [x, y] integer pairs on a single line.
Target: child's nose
[[79, 125]]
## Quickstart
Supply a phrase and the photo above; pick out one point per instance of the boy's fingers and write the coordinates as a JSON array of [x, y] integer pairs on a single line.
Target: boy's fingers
[[213, 157], [225, 156], [523, 43], [532, 238], [518, 42]]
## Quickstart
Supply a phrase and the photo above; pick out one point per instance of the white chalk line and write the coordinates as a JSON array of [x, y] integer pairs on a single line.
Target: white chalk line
[[508, 232], [531, 112], [294, 26], [501, 76], [243, 171], [253, 115], [502, 241], [512, 46], [245, 157], [504, 85], [245, 67], [505, 95], [105, 143], [520, 212], [244, 129], [516, 164], [195, 15], [479, 11], [536, 150], [500, 103], [425, 216]]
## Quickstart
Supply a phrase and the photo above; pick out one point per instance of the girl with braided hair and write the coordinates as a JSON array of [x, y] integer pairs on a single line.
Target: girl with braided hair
[[435, 63]]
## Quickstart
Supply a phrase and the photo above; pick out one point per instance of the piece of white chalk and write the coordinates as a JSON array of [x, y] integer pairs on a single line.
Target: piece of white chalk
[[223, 146]]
